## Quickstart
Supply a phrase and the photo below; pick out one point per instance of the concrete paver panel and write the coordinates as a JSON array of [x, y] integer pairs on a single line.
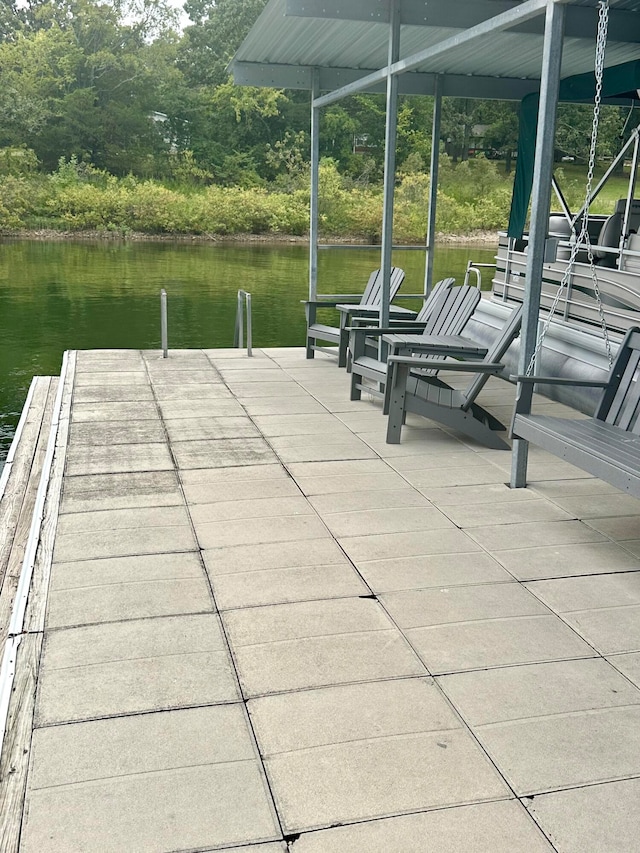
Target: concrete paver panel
[[119, 458], [280, 586], [352, 712], [496, 642], [501, 827], [132, 600], [102, 749], [416, 608], [554, 752], [519, 692], [243, 490], [502, 537], [198, 429], [275, 529], [592, 819], [436, 570], [197, 408], [222, 453], [100, 412], [122, 519], [559, 561], [150, 540], [324, 660], [132, 432], [123, 570], [120, 491], [609, 630], [589, 592], [279, 555], [354, 484], [251, 508], [379, 777], [373, 522], [201, 807], [384, 546]]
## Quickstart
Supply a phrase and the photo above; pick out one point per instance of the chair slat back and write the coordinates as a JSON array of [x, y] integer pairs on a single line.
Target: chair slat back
[[431, 303], [495, 354], [620, 404], [453, 311], [373, 291]]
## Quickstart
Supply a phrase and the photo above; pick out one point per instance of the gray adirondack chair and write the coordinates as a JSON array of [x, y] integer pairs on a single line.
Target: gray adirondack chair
[[432, 398], [369, 304], [449, 315], [416, 324]]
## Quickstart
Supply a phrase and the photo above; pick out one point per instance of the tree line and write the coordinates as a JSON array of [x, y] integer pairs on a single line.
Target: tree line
[[118, 87]]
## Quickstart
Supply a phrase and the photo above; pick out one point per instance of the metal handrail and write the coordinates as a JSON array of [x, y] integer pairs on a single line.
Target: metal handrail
[[164, 335], [472, 266], [244, 302]]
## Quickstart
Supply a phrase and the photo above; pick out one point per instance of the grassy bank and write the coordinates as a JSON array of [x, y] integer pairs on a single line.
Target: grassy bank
[[472, 197]]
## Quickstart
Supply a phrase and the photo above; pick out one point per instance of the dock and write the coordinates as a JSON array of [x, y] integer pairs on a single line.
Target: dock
[[234, 618]]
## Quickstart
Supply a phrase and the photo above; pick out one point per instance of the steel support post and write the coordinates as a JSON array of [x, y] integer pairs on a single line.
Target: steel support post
[[433, 184], [315, 184], [540, 204], [390, 163]]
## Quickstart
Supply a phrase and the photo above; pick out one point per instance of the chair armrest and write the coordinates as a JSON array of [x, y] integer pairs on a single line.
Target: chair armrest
[[324, 303], [376, 331], [463, 366], [558, 380]]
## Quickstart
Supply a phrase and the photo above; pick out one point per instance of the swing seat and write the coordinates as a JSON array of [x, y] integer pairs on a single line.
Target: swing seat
[[606, 445]]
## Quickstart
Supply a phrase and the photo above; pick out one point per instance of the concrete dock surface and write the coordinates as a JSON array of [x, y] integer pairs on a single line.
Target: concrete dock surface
[[264, 629]]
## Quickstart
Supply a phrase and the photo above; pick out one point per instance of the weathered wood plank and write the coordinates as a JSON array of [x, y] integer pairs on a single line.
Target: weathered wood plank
[[36, 609], [23, 525], [16, 746], [12, 500]]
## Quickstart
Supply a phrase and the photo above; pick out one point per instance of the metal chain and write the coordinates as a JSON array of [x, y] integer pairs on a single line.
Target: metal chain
[[583, 237]]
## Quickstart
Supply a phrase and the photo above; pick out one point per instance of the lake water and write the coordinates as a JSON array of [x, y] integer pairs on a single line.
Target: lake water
[[56, 296]]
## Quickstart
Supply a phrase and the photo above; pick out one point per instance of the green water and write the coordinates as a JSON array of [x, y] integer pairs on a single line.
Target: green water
[[77, 295]]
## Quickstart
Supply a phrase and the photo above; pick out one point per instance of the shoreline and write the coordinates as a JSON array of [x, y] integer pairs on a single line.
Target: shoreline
[[478, 238]]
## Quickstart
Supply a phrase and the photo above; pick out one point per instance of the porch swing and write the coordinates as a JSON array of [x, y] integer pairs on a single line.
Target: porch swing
[[606, 445]]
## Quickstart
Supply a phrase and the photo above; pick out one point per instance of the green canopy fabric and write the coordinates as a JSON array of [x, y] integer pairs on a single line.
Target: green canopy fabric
[[619, 82]]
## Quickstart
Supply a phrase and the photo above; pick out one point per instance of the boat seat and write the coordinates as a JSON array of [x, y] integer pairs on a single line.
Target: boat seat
[[631, 263], [611, 232], [559, 227]]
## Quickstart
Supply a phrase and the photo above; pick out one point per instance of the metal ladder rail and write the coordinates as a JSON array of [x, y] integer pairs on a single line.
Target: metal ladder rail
[[244, 306]]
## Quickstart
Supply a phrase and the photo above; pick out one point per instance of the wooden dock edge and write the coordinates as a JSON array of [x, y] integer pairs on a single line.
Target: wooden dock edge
[[27, 592]]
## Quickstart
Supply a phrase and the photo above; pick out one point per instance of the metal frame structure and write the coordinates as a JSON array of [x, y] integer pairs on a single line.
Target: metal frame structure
[[499, 49]]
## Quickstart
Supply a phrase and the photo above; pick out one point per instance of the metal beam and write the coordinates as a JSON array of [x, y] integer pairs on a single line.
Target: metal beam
[[581, 21], [540, 204], [523, 12], [453, 85]]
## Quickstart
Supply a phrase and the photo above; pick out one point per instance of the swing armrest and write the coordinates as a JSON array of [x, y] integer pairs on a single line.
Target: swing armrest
[[558, 380]]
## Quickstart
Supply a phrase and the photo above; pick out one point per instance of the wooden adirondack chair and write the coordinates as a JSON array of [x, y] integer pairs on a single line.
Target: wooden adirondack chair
[[449, 315], [432, 398], [606, 445], [369, 304]]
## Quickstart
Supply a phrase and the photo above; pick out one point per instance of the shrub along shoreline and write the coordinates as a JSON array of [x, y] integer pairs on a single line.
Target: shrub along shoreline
[[78, 199], [473, 197]]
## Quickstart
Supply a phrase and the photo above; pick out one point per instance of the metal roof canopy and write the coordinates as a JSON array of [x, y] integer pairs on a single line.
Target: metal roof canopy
[[346, 40], [498, 49]]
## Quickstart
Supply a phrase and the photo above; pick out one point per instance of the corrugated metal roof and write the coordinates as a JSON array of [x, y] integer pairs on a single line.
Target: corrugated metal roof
[[288, 41]]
